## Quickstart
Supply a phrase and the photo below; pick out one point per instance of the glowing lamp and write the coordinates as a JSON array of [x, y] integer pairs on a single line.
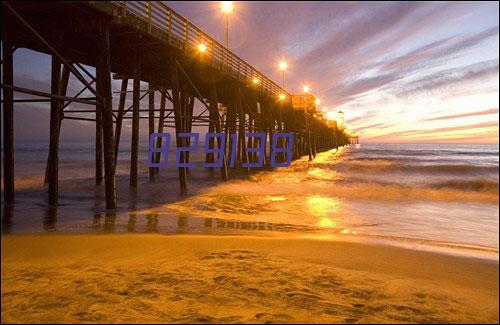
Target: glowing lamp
[[226, 7], [202, 48]]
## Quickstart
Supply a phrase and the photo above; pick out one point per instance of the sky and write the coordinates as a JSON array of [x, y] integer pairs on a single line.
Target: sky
[[400, 71]]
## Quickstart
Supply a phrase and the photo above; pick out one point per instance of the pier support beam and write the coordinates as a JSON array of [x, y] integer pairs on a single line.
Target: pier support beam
[[8, 120], [161, 123], [119, 117], [231, 128], [308, 135], [209, 157], [243, 156], [179, 105], [151, 120], [98, 141], [214, 115], [53, 161], [63, 87], [134, 152], [104, 78]]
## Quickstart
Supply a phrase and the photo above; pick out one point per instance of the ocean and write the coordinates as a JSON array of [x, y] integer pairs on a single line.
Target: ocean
[[427, 196]]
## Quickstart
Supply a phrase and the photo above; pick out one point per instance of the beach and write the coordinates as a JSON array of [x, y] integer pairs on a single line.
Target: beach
[[364, 234], [316, 162], [208, 279]]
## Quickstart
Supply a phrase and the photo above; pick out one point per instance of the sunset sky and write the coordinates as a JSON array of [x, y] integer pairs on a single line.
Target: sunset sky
[[401, 72]]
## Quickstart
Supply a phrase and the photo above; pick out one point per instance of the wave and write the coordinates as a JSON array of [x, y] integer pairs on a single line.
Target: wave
[[419, 153], [476, 185], [392, 165]]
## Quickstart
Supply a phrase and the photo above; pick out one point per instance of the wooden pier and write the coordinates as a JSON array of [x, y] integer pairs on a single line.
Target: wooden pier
[[143, 41]]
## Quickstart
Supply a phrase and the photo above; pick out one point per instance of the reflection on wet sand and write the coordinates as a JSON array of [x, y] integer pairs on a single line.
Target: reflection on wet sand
[[325, 209], [96, 223], [50, 219], [150, 221], [109, 221], [132, 220], [182, 224], [6, 219]]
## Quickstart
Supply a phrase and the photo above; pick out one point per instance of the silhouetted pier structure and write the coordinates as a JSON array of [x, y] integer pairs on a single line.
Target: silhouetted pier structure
[[143, 41]]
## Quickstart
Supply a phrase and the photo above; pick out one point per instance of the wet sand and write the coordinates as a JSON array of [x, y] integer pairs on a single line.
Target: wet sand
[[205, 279]]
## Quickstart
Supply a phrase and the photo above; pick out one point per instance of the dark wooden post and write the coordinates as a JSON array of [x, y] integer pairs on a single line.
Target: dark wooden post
[[214, 110], [188, 122], [119, 117], [314, 138], [209, 157], [241, 130], [161, 122], [308, 135], [54, 131], [250, 141], [151, 120], [281, 144], [63, 87], [98, 138], [134, 152], [8, 119], [231, 125], [178, 112], [182, 117], [264, 127], [105, 89]]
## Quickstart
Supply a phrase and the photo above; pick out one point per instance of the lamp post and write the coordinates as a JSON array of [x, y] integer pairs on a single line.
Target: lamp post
[[282, 66], [227, 7]]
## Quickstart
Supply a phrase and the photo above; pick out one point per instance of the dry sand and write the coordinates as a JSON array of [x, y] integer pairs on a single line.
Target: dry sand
[[155, 278]]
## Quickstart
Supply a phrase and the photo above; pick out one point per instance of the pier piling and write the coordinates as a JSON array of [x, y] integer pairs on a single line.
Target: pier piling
[[136, 46]]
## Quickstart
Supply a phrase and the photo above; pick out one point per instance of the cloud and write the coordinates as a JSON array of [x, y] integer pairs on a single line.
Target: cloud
[[364, 58], [405, 65], [455, 116], [451, 77], [360, 31], [438, 50], [429, 132], [374, 126], [360, 86]]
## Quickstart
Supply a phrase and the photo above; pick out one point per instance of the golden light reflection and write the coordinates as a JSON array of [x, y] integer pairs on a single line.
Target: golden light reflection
[[275, 198], [325, 208], [327, 223], [323, 174]]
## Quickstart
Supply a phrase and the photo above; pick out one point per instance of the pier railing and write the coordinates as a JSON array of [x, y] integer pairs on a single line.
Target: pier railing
[[159, 17]]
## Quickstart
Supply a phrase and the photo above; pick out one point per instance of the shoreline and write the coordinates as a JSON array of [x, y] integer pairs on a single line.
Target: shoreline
[[206, 278], [459, 249]]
